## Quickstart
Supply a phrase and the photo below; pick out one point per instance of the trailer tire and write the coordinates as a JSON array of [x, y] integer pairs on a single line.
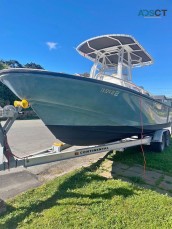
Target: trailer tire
[[160, 146], [167, 138]]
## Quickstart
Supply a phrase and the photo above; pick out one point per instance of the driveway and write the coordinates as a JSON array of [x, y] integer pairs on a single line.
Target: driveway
[[26, 137]]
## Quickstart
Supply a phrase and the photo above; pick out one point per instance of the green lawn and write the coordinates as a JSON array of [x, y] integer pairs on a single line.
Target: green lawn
[[84, 199], [161, 161]]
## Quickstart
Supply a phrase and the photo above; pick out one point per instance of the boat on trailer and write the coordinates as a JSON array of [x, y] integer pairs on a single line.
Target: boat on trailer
[[105, 107]]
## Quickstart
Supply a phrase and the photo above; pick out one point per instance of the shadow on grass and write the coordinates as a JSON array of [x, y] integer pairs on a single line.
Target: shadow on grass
[[65, 190]]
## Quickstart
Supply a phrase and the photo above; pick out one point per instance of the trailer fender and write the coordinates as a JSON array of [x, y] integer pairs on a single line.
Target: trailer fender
[[158, 135]]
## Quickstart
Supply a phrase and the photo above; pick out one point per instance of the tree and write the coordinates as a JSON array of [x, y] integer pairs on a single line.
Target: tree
[[3, 65], [13, 64], [7, 96], [33, 65]]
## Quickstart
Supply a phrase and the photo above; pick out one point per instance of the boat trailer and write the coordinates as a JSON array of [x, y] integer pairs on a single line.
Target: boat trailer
[[57, 152]]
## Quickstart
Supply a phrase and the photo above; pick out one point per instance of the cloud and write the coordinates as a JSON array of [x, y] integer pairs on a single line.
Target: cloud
[[51, 45]]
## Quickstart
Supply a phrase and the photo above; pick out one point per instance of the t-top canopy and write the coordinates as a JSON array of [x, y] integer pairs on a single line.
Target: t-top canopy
[[109, 47]]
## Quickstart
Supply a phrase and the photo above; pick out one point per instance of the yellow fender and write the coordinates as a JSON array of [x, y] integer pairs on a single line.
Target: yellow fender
[[24, 104]]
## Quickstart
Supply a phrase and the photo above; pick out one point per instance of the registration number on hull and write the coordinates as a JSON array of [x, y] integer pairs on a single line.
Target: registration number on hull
[[109, 91]]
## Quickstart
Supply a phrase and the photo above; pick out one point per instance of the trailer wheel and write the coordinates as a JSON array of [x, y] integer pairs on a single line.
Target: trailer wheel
[[160, 146], [167, 138]]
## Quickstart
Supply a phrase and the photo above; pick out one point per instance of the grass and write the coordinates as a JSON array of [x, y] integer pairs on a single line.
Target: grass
[[84, 199], [138, 180], [157, 183], [160, 161]]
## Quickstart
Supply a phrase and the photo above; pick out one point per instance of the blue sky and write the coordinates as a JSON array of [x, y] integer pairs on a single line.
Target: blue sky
[[27, 26]]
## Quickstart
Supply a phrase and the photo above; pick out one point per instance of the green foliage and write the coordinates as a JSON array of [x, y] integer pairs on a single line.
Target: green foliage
[[6, 96], [16, 64], [2, 65], [33, 65]]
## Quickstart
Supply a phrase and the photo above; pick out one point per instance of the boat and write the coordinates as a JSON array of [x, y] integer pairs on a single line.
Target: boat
[[104, 107]]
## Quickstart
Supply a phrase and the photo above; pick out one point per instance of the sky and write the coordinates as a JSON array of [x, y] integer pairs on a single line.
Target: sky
[[48, 31]]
